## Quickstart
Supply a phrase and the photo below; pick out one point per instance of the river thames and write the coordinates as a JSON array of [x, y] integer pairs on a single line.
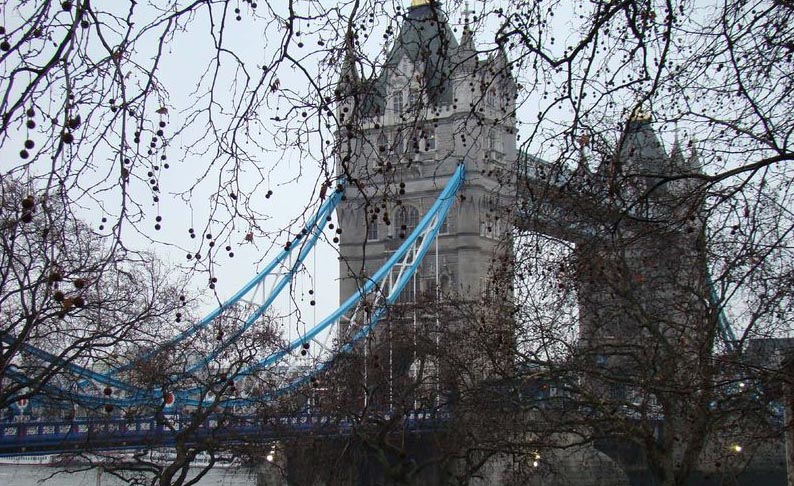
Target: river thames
[[31, 475]]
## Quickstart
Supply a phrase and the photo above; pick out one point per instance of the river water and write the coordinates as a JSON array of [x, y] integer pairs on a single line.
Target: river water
[[31, 475]]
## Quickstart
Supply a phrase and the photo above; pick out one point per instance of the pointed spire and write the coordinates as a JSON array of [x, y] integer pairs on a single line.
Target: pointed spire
[[676, 154], [694, 156], [349, 75], [639, 151], [500, 66], [348, 88], [466, 53]]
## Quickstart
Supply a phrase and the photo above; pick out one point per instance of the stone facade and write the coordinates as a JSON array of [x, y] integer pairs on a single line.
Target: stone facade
[[433, 105]]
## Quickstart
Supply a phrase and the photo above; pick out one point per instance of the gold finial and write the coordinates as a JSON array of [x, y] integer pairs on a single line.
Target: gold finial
[[419, 3]]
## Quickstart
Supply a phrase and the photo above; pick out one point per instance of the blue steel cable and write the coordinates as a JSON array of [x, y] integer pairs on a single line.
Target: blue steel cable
[[440, 209], [314, 227], [57, 392], [362, 333], [316, 231], [724, 327], [67, 364]]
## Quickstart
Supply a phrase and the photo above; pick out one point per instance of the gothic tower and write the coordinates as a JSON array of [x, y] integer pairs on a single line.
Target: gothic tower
[[642, 279], [431, 105]]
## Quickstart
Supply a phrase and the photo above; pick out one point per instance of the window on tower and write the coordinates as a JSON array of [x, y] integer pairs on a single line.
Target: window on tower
[[495, 141], [372, 230], [413, 99], [406, 220], [430, 138], [490, 98], [383, 142], [397, 102], [398, 144]]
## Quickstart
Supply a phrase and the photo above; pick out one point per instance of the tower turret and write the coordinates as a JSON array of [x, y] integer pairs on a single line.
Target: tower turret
[[419, 120]]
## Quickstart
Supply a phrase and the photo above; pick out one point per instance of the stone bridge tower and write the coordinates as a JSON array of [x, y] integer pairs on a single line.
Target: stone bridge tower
[[431, 105]]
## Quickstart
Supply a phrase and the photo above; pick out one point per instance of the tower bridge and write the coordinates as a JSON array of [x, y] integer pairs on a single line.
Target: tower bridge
[[430, 189]]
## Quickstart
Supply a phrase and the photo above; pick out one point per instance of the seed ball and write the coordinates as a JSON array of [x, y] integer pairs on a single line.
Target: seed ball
[[108, 391], [23, 154], [29, 144], [5, 46], [157, 227], [162, 124], [108, 408], [31, 124], [66, 5], [303, 352], [84, 24], [67, 138]]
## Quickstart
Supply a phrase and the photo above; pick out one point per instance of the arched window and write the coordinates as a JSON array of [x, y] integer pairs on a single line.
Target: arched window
[[383, 142], [397, 102], [407, 218], [429, 134], [372, 230]]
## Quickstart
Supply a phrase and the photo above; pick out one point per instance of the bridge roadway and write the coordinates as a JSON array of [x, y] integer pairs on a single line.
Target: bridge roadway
[[91, 435]]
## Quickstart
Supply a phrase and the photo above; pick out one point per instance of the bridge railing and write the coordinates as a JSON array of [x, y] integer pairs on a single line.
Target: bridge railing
[[86, 435]]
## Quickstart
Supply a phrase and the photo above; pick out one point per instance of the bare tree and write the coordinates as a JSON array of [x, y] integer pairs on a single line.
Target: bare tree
[[67, 299]]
